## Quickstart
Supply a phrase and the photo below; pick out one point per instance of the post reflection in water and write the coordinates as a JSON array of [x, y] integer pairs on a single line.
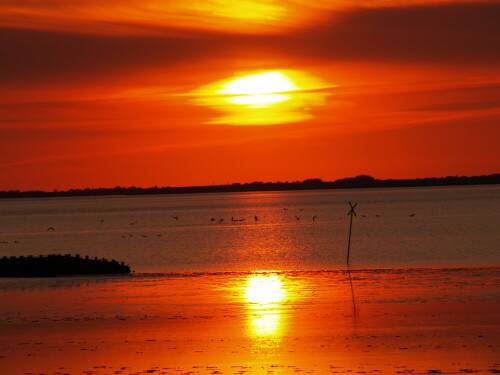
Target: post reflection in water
[[264, 293]]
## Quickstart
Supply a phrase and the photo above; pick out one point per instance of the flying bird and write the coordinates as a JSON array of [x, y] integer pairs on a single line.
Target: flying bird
[[51, 229]]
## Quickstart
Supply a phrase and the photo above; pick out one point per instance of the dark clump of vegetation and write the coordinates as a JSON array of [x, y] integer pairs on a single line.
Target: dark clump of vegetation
[[361, 181], [54, 265]]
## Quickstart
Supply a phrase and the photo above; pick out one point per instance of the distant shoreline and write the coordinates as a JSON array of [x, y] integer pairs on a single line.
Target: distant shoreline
[[362, 181]]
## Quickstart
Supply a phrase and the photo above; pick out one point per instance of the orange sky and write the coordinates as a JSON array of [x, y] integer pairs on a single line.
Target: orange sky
[[124, 92]]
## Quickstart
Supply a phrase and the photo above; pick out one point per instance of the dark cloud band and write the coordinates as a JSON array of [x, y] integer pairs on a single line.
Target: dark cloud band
[[453, 34]]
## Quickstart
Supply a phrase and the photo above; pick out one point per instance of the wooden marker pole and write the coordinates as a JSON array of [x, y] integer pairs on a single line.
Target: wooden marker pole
[[350, 213]]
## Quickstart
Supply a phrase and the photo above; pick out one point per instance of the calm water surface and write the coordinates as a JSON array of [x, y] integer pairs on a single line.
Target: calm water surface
[[263, 296], [411, 227]]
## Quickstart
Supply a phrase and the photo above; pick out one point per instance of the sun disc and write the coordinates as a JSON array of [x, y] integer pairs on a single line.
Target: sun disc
[[258, 84], [258, 100], [264, 98]]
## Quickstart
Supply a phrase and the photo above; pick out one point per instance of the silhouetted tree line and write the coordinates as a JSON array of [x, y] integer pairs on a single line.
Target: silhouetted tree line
[[361, 181]]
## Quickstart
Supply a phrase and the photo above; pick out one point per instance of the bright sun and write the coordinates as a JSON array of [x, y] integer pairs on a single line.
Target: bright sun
[[263, 98], [258, 89]]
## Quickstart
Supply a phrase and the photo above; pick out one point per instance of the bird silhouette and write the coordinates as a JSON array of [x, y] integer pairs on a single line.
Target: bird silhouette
[[255, 218], [176, 217], [298, 218], [133, 223], [411, 215], [314, 218], [212, 219], [51, 229]]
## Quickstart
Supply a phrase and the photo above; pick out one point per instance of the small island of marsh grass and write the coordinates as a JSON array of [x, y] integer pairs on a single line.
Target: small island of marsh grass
[[57, 264]]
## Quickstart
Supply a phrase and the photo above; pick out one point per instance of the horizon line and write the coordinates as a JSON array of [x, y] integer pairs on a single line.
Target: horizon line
[[360, 179]]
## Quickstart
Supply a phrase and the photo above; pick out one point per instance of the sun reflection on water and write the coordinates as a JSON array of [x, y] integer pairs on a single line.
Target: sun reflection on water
[[264, 293]]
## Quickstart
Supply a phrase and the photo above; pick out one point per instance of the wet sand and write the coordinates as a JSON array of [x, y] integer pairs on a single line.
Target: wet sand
[[400, 321]]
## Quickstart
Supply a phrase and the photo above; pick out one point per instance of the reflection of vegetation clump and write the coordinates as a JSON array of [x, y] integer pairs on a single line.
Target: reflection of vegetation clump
[[361, 181], [53, 265]]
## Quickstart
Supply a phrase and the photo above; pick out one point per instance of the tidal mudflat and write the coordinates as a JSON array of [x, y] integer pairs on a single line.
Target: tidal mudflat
[[434, 320]]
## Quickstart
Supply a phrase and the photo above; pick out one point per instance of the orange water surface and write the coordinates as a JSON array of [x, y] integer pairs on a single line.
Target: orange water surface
[[262, 322]]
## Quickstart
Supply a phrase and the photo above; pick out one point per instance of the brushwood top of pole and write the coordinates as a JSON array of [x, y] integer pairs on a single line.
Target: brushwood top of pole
[[352, 211]]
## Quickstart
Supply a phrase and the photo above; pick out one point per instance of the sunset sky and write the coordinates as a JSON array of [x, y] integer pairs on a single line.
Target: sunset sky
[[179, 93]]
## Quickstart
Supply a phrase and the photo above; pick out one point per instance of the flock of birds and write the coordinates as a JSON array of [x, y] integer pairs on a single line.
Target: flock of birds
[[233, 220]]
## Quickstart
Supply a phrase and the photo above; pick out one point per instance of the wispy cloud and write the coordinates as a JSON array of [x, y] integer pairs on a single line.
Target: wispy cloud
[[452, 34]]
